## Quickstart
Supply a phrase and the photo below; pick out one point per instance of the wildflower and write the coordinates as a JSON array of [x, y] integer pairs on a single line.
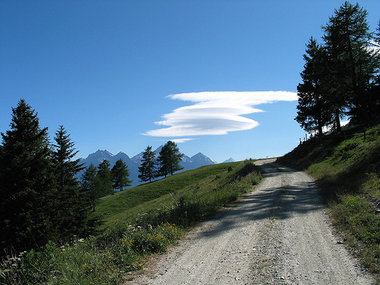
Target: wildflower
[[81, 240], [127, 242]]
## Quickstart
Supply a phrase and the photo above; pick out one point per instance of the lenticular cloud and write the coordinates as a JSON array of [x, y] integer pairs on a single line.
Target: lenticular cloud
[[216, 113]]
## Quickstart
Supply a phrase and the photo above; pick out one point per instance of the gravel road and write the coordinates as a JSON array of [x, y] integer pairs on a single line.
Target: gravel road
[[278, 234]]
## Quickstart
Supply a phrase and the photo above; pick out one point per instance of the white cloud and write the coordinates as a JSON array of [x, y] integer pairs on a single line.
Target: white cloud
[[181, 140], [216, 113]]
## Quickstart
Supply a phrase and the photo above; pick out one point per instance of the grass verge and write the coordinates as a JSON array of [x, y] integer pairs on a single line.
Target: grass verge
[[347, 170]]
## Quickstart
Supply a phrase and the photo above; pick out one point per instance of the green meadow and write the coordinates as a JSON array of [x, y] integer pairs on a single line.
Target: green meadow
[[132, 225]]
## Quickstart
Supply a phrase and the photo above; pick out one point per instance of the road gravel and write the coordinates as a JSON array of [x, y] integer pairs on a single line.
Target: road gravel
[[279, 234]]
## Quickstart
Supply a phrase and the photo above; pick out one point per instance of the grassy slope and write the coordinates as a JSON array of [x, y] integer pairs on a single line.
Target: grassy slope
[[126, 205], [137, 222], [347, 169]]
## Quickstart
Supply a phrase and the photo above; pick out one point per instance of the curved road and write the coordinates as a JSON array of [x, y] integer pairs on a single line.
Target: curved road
[[278, 234]]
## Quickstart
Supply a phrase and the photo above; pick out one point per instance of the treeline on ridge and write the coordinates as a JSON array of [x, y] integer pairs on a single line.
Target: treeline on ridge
[[102, 181]]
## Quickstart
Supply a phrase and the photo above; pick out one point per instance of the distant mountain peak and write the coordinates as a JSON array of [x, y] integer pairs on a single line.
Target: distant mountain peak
[[200, 156], [229, 160], [106, 152], [157, 151], [133, 163]]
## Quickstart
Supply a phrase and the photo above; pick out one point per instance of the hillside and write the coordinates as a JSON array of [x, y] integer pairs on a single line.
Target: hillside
[[135, 224], [133, 163], [347, 169], [192, 186]]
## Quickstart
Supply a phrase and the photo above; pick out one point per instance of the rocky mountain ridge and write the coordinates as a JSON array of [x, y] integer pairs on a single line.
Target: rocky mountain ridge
[[133, 163]]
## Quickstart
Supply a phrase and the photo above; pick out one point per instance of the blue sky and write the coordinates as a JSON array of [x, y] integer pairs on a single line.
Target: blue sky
[[109, 71]]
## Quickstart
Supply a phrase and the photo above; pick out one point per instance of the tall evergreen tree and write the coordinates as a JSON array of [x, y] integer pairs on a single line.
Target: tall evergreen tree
[[120, 175], [26, 182], [352, 65], [104, 180], [88, 186], [148, 165], [71, 211], [313, 108], [169, 159], [377, 37], [374, 91]]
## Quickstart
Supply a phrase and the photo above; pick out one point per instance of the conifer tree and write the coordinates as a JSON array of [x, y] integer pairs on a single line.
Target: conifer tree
[[374, 92], [104, 180], [88, 186], [169, 159], [352, 65], [148, 165], [313, 108], [26, 182], [120, 175], [71, 210]]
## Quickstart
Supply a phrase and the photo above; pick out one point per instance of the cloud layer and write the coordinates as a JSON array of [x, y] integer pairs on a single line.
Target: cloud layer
[[181, 140], [215, 113]]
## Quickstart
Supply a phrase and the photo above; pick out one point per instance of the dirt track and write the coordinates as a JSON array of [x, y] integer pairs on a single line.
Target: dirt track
[[279, 234]]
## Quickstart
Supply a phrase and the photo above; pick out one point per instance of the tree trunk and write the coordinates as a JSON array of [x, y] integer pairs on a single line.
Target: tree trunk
[[337, 121], [320, 133]]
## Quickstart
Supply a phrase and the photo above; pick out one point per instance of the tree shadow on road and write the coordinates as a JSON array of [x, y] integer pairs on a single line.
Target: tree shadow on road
[[300, 197]]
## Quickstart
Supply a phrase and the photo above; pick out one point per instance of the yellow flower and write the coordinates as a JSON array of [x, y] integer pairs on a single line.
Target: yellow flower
[[127, 242]]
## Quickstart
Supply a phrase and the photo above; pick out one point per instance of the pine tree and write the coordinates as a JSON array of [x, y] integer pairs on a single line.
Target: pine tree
[[377, 37], [374, 91], [104, 180], [148, 165], [169, 159], [71, 213], [120, 175], [26, 182], [352, 65], [88, 186], [313, 109]]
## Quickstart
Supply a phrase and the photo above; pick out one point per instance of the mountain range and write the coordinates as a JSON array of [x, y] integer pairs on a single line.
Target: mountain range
[[133, 163]]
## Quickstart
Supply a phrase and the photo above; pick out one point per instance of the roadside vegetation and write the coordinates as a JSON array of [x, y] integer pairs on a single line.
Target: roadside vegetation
[[133, 225], [346, 166], [341, 79]]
